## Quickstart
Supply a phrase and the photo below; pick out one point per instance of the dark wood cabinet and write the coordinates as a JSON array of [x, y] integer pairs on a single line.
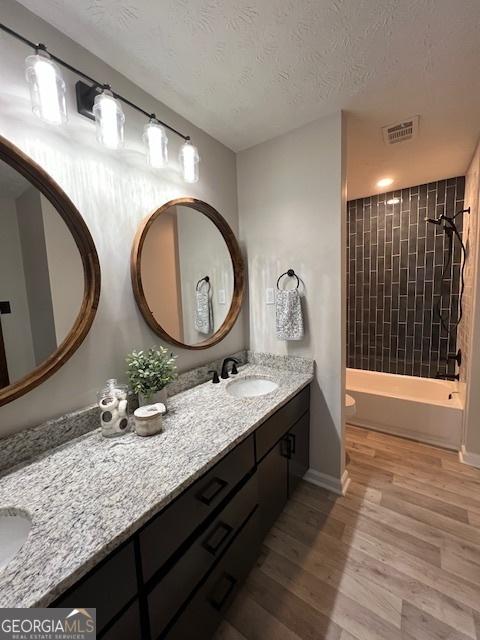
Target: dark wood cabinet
[[176, 576], [164, 535], [272, 430], [207, 607], [273, 484], [298, 451], [108, 587], [175, 587], [126, 627]]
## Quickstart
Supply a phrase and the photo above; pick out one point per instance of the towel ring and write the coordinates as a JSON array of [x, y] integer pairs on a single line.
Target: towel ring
[[291, 274], [206, 279]]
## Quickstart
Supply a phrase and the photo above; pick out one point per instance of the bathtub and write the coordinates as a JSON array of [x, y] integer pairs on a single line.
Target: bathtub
[[417, 408]]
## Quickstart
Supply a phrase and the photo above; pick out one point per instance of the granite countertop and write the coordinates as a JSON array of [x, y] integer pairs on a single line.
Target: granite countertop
[[91, 494]]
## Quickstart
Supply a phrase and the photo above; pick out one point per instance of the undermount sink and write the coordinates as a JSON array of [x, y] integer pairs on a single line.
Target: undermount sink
[[251, 387], [14, 529]]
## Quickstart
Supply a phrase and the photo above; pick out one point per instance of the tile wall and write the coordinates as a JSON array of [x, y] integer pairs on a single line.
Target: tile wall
[[394, 269]]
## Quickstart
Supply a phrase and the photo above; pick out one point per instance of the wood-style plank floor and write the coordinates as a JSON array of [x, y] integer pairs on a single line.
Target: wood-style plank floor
[[397, 557]]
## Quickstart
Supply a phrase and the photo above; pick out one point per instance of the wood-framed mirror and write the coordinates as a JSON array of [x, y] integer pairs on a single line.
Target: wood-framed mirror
[[49, 275], [187, 273]]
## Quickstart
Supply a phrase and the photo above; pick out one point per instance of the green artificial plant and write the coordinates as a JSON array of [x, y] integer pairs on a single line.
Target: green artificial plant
[[151, 370]]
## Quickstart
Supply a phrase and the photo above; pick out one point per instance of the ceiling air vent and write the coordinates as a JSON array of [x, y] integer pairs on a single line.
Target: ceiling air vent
[[400, 131]]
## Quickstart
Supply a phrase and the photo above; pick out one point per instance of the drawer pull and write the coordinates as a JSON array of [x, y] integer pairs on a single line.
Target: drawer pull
[[285, 447], [292, 442], [218, 536], [208, 494], [219, 594]]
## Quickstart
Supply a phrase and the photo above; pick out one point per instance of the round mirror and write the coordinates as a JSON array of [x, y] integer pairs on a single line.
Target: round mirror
[[49, 275], [187, 273]]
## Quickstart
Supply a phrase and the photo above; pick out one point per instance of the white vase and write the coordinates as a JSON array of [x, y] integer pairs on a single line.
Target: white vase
[[158, 396]]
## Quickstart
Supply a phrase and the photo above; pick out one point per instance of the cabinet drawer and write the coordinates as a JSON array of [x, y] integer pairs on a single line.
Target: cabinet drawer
[[127, 627], [164, 535], [176, 586], [205, 611], [108, 587], [270, 432]]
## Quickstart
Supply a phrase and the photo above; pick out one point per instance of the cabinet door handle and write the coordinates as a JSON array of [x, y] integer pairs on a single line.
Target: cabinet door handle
[[217, 537], [208, 494], [216, 598], [285, 447], [293, 439]]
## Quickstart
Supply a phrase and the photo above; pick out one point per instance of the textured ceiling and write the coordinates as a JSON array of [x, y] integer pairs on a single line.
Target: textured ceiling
[[246, 71]]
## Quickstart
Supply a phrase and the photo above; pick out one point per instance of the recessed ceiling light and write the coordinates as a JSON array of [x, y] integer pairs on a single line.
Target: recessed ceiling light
[[385, 182], [393, 201]]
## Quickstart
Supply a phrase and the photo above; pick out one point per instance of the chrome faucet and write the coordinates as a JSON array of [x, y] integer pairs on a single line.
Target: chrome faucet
[[234, 371]]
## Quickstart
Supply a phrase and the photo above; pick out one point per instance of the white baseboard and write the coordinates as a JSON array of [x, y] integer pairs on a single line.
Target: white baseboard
[[331, 483], [472, 459]]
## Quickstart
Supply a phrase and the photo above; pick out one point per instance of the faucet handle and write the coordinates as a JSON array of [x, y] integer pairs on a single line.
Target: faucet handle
[[234, 370], [215, 378]]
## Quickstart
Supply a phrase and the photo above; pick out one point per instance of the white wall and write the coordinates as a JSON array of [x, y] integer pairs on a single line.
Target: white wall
[[469, 328], [113, 191], [292, 214], [17, 335]]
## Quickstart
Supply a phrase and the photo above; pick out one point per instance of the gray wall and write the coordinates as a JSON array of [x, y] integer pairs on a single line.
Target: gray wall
[[37, 279], [197, 259], [113, 191], [292, 213], [17, 335], [65, 270]]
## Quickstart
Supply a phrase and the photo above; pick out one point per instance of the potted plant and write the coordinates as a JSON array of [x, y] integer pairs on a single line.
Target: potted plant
[[149, 372]]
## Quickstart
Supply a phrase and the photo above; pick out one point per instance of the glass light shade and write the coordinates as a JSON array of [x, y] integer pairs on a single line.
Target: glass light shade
[[156, 142], [189, 160], [109, 120], [47, 88]]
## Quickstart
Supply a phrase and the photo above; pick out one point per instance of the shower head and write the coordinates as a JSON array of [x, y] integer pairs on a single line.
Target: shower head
[[434, 221]]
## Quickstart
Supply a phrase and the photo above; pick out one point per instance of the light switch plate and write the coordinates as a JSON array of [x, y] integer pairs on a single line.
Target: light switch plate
[[269, 296], [221, 296]]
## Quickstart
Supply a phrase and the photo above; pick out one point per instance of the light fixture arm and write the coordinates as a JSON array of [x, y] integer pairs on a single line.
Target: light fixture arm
[[88, 92]]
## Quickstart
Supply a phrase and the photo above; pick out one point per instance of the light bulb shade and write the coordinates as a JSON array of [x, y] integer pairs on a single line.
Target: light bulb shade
[[109, 120], [189, 160], [156, 142], [47, 88]]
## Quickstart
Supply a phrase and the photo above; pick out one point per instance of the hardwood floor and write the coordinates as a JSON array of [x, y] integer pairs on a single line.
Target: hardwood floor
[[398, 557]]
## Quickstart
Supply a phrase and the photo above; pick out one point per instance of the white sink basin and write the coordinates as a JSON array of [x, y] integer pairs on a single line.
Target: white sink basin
[[251, 387], [14, 530]]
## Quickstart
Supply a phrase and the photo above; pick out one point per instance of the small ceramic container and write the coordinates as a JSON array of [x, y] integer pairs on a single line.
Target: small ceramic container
[[149, 419]]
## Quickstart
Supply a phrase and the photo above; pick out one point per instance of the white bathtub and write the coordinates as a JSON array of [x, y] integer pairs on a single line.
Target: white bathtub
[[418, 408]]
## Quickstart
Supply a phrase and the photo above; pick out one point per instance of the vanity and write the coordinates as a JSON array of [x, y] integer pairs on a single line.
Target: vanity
[[156, 533], [162, 530]]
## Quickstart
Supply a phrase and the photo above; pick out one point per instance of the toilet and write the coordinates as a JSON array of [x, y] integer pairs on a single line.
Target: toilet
[[350, 406]]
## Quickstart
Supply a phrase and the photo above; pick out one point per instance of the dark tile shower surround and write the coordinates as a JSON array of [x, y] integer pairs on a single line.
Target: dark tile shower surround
[[394, 265]]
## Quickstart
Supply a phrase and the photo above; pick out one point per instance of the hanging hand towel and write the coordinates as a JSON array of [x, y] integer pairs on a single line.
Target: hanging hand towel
[[289, 315], [203, 312]]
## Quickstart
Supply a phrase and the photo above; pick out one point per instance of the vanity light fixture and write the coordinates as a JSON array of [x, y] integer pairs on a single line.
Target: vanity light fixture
[[385, 182], [189, 160], [156, 141], [393, 201], [109, 119], [97, 102], [47, 87]]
